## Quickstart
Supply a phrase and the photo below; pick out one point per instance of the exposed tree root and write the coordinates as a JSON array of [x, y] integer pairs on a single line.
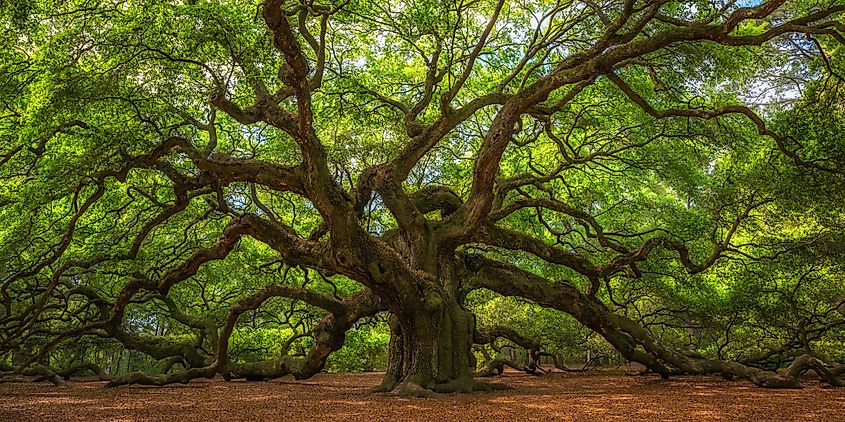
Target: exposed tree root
[[461, 385], [412, 389], [388, 384], [468, 385]]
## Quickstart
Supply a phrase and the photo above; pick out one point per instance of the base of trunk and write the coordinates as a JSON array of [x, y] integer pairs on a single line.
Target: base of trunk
[[431, 351], [409, 388]]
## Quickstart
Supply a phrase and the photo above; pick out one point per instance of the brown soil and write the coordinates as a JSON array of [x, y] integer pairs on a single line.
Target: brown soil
[[334, 397]]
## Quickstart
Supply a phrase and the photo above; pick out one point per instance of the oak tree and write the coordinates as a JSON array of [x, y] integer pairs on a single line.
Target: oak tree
[[402, 158]]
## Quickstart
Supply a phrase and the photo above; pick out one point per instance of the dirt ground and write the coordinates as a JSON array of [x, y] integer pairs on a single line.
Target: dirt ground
[[339, 397]]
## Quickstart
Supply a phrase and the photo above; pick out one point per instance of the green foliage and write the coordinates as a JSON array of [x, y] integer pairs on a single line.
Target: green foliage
[[365, 349]]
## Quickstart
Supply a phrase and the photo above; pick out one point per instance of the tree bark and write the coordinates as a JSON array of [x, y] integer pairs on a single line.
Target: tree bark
[[430, 348], [431, 339]]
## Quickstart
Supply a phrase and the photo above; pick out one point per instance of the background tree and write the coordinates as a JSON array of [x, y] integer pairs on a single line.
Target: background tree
[[178, 175]]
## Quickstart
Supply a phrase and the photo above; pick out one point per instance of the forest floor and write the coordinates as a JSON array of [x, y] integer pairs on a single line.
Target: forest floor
[[599, 396]]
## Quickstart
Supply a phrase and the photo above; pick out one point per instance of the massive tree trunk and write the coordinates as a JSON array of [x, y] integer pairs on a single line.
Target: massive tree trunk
[[431, 337], [430, 349]]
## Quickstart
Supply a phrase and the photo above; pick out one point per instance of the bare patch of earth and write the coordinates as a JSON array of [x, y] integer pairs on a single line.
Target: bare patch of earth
[[597, 396]]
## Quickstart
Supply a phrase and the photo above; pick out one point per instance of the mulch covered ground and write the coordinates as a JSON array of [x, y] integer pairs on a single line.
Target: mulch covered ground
[[595, 396]]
